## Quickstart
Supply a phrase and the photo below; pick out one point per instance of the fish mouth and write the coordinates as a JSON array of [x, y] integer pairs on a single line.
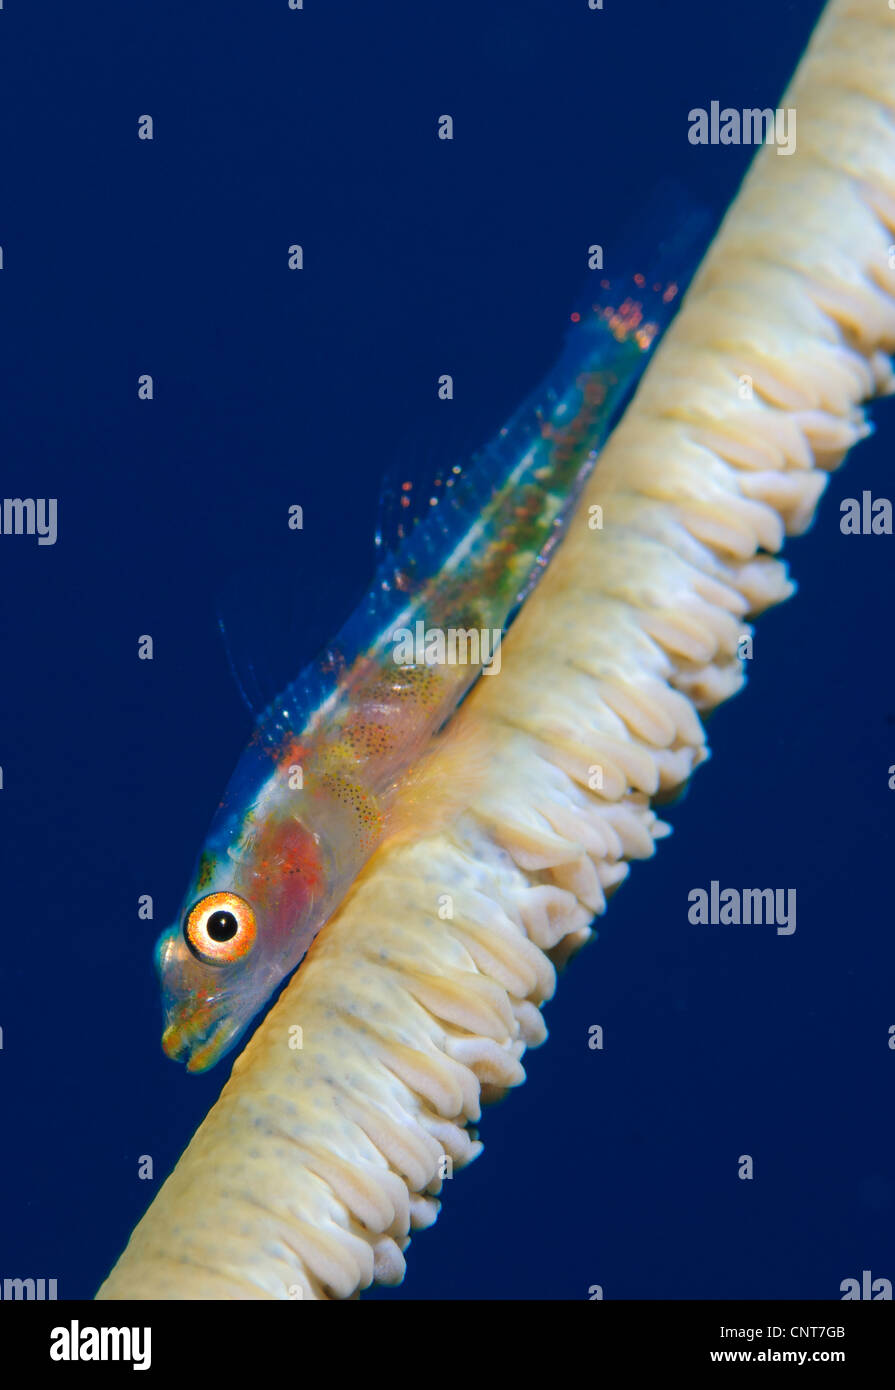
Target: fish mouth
[[199, 1047]]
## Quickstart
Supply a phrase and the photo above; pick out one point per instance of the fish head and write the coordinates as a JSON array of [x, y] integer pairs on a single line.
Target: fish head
[[252, 910]]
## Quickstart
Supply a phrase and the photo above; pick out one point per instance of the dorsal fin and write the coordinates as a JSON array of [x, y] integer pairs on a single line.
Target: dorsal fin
[[414, 481], [276, 613]]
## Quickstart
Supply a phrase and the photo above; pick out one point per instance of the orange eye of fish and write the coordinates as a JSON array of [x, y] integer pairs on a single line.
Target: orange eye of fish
[[220, 929]]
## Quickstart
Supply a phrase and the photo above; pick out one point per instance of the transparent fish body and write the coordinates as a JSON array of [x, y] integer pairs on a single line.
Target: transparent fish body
[[311, 797]]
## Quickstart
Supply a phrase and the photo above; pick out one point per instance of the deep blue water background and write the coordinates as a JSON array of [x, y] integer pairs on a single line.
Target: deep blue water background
[[121, 257]]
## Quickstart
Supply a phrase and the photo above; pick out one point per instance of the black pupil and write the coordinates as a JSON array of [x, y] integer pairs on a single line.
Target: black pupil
[[222, 926]]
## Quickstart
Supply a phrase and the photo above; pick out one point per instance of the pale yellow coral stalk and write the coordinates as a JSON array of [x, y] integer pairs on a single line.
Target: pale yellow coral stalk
[[424, 991]]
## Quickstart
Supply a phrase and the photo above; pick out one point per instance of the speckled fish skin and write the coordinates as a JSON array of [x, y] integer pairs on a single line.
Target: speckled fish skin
[[310, 798]]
